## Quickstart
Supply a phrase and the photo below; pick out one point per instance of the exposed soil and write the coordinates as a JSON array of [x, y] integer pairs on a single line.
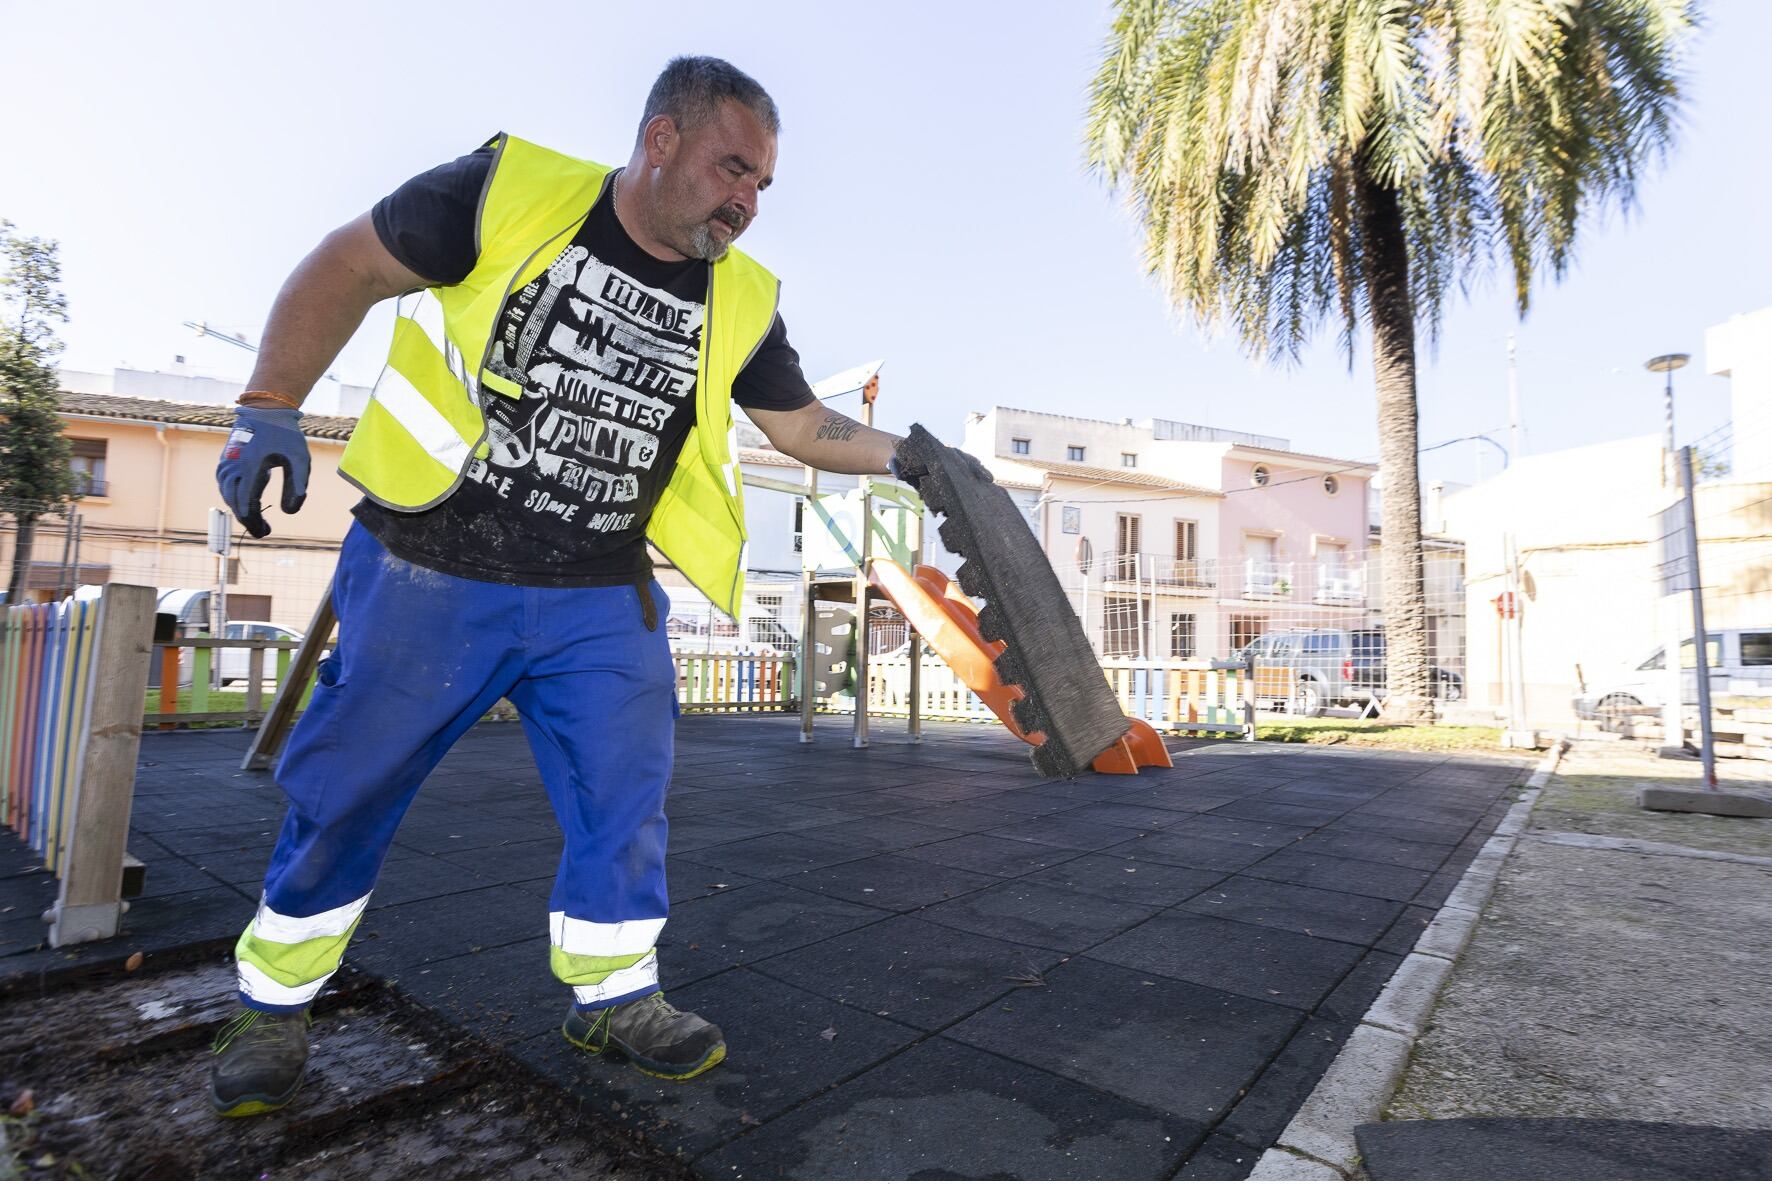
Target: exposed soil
[[117, 1074]]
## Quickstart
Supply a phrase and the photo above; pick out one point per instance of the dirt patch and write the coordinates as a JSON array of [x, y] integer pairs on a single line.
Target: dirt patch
[[112, 1080]]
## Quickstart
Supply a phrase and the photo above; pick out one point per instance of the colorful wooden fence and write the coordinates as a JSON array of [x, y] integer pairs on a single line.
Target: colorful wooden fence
[[45, 674], [72, 676], [734, 682], [1177, 697]]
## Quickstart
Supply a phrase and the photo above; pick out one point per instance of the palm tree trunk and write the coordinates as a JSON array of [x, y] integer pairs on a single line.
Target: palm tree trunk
[[21, 558], [1393, 365]]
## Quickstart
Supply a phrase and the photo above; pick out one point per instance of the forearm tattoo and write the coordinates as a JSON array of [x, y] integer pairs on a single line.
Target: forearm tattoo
[[837, 426]]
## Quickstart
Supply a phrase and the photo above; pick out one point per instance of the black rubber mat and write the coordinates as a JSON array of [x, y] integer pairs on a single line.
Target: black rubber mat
[[1048, 655], [1561, 1149]]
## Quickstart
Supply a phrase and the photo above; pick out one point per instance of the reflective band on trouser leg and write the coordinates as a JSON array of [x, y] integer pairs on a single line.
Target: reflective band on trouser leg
[[603, 960], [283, 961]]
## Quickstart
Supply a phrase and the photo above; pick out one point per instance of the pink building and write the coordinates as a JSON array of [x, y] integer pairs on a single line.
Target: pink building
[[1176, 540]]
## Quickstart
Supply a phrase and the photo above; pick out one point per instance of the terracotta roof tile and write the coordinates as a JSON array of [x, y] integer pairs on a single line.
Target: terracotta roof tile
[[324, 427]]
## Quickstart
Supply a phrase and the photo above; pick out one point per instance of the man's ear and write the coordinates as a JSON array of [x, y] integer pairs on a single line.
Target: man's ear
[[659, 140]]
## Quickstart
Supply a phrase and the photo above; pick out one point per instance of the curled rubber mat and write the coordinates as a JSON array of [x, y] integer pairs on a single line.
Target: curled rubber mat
[[1048, 655]]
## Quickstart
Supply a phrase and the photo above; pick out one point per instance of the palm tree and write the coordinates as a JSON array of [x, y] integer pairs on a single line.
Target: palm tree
[[1296, 160]]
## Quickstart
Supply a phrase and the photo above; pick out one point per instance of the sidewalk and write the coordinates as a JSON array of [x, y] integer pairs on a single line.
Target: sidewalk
[[1620, 972]]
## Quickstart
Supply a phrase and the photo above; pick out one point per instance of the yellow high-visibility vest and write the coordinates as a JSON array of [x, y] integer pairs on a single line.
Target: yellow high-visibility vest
[[423, 427]]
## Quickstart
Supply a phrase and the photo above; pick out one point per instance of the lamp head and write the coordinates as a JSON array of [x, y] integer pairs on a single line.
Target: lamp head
[[1665, 362]]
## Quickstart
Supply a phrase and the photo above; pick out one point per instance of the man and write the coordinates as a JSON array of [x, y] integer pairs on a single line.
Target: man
[[567, 400]]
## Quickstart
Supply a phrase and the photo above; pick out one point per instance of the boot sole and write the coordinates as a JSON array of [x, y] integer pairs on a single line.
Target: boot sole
[[649, 1067], [253, 1104]]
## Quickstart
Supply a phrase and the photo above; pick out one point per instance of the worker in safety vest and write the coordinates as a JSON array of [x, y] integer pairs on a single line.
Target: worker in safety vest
[[558, 395]]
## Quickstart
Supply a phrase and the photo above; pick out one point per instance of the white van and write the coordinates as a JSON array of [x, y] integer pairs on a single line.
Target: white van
[[1740, 662]]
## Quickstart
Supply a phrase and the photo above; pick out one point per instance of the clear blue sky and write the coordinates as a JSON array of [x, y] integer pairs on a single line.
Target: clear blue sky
[[930, 205]]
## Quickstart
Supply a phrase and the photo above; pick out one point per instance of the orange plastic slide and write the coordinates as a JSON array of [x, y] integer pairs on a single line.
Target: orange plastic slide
[[945, 616]]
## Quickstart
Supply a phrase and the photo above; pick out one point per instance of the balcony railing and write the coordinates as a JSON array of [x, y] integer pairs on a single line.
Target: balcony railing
[[1165, 571], [1264, 579], [1340, 584]]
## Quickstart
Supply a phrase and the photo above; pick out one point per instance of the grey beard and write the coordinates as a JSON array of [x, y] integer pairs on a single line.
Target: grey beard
[[703, 245]]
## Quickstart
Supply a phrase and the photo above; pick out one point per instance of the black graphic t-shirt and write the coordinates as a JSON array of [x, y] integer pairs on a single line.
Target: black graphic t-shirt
[[604, 344]]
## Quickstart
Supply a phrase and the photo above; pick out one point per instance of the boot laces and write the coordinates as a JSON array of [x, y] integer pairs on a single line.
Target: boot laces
[[244, 1027]]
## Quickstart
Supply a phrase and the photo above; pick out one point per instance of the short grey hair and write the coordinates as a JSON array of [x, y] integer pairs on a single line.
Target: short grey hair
[[691, 89]]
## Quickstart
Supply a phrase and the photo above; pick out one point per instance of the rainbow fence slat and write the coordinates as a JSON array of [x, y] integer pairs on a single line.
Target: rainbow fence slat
[[733, 682], [46, 657]]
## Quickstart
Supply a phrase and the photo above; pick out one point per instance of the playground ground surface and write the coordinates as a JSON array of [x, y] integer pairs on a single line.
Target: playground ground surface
[[927, 962]]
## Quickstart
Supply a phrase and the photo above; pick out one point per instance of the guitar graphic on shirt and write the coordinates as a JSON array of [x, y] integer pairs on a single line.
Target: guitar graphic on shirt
[[562, 272]]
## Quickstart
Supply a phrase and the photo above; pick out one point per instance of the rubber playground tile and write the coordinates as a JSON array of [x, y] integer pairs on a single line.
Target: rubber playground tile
[[1029, 800], [1220, 1157], [1262, 810], [966, 817], [799, 815], [1403, 810], [1401, 828], [244, 866], [508, 862], [948, 1111], [688, 880], [1349, 1001], [1038, 915], [784, 1045], [1219, 855], [167, 922], [871, 803], [1425, 857], [507, 993], [890, 882], [1340, 916], [910, 970], [402, 935], [1340, 875], [465, 832], [1240, 830], [1257, 1118], [1135, 817], [991, 855], [423, 878], [201, 835], [700, 833], [882, 833], [1159, 884], [747, 925], [1272, 965], [774, 856], [1439, 886], [941, 791], [1401, 937], [1059, 831], [1193, 797], [1174, 1046]]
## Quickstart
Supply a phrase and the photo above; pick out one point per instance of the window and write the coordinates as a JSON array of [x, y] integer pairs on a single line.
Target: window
[[1074, 452], [1020, 447], [1756, 649], [1259, 475], [1331, 484], [1187, 539], [1245, 630], [1129, 460], [1181, 635], [1127, 543], [1655, 661], [799, 523], [1713, 652], [87, 460], [1122, 625]]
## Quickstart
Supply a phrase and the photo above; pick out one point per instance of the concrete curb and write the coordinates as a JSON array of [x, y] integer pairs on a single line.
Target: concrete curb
[[1318, 1144]]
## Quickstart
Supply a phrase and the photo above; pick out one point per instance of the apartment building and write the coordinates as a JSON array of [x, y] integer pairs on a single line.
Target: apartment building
[[1180, 540]]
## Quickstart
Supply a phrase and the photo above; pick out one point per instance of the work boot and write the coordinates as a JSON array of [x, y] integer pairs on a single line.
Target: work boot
[[660, 1040], [260, 1059]]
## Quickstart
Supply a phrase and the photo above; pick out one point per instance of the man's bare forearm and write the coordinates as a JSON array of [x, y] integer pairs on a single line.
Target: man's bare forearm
[[839, 444]]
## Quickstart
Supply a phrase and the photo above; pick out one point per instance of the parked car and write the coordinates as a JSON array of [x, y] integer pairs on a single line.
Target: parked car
[[1740, 662], [232, 665], [1307, 670]]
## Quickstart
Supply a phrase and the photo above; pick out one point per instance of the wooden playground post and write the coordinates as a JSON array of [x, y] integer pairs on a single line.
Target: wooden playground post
[[89, 906], [273, 730]]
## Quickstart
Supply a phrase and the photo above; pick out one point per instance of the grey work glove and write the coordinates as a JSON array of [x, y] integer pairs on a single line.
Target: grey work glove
[[264, 438]]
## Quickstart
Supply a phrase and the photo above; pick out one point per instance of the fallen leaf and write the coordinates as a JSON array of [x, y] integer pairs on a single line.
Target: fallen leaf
[[828, 1034], [745, 1119], [719, 885], [23, 1104], [695, 945], [134, 962]]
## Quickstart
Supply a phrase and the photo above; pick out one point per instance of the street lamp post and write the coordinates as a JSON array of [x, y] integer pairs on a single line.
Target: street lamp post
[[1667, 364]]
